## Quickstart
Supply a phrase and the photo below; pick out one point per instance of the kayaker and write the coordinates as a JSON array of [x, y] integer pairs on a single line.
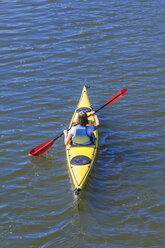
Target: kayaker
[[81, 134]]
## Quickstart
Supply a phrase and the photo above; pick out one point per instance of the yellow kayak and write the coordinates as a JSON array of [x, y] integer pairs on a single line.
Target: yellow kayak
[[81, 158]]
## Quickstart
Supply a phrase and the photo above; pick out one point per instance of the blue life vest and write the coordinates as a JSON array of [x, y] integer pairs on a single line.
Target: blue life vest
[[81, 137]]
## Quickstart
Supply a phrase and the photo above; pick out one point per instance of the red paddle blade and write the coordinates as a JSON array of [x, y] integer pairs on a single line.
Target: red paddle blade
[[116, 96], [38, 150]]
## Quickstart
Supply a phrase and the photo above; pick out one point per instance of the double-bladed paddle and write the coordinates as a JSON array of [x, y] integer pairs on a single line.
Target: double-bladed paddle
[[38, 150]]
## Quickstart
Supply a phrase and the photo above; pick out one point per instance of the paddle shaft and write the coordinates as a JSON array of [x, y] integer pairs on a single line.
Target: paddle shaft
[[46, 145], [61, 134], [110, 101]]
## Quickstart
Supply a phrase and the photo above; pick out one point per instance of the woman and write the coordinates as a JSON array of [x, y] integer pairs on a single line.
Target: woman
[[81, 133]]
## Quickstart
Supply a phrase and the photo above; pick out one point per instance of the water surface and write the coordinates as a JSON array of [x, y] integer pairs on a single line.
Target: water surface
[[49, 50]]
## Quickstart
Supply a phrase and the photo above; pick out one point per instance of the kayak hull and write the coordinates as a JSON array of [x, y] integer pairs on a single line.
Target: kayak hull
[[81, 158]]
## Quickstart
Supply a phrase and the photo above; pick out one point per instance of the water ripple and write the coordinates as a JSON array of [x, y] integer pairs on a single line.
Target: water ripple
[[49, 50]]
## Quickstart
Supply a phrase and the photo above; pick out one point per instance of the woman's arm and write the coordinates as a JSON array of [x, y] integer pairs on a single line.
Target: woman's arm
[[67, 137], [97, 122]]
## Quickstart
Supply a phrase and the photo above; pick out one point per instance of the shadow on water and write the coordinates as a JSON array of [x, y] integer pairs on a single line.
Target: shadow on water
[[40, 160]]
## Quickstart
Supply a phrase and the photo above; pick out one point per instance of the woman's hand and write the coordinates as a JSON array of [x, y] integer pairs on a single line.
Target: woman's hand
[[93, 113], [67, 137], [65, 131]]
